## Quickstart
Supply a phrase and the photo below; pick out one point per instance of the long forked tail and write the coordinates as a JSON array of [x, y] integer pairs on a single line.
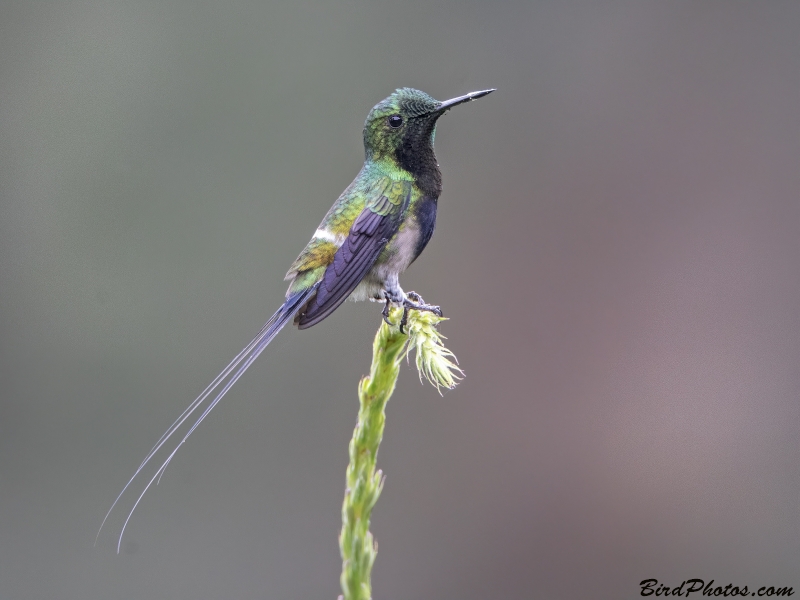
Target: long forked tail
[[228, 377]]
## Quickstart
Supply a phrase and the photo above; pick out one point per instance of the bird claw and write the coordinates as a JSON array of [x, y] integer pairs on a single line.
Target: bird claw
[[385, 312], [413, 301]]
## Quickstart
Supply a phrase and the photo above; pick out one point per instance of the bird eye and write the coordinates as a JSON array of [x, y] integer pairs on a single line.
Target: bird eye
[[395, 121]]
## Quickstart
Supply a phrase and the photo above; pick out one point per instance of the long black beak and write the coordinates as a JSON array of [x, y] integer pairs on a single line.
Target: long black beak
[[448, 104]]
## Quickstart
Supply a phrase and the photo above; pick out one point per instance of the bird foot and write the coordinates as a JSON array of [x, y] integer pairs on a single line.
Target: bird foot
[[413, 301]]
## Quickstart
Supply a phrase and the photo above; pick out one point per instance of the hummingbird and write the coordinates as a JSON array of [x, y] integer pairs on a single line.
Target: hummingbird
[[378, 226]]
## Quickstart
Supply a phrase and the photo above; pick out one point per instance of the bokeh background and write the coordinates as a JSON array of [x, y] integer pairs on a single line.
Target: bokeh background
[[618, 249]]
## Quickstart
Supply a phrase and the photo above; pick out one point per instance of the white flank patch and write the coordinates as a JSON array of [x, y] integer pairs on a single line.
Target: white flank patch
[[324, 234]]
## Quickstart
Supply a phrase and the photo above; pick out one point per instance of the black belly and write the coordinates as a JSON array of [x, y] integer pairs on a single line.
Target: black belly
[[425, 213]]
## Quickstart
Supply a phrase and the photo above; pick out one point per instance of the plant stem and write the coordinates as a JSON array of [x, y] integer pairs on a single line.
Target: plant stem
[[364, 483]]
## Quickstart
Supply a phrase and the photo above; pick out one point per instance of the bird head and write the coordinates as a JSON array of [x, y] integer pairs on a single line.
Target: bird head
[[400, 129]]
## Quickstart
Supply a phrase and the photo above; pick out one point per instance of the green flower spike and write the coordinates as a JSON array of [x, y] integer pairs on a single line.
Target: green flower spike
[[364, 484]]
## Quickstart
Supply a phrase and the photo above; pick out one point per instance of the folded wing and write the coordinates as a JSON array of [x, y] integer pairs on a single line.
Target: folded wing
[[368, 236]]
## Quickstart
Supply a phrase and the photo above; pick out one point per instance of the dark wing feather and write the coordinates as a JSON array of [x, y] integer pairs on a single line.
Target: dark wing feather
[[368, 236], [352, 261]]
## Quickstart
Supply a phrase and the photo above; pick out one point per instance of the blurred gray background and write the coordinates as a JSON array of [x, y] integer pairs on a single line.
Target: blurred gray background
[[617, 248]]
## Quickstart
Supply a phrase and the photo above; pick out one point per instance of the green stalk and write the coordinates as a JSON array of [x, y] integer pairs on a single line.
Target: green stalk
[[364, 483]]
